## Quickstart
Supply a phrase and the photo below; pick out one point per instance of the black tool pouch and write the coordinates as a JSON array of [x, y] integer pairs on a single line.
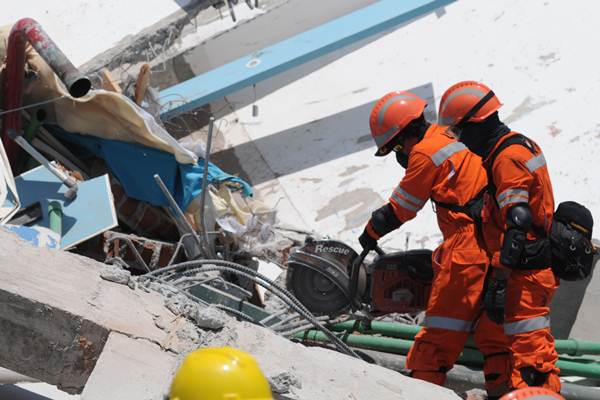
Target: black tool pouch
[[537, 254], [570, 237]]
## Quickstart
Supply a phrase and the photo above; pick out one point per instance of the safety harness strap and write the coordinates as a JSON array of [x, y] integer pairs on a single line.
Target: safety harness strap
[[515, 139]]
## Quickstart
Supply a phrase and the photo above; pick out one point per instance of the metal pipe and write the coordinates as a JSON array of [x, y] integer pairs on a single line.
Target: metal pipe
[[572, 347], [192, 247], [69, 182], [208, 248], [27, 30]]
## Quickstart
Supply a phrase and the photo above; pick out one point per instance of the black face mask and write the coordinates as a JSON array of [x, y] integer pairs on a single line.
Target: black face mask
[[481, 137], [402, 159], [474, 138]]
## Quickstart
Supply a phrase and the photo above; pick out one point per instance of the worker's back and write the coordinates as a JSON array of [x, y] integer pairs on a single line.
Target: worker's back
[[444, 170]]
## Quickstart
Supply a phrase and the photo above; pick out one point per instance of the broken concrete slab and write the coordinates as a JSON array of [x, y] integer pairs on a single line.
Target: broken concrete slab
[[56, 313], [324, 374], [130, 369], [65, 325]]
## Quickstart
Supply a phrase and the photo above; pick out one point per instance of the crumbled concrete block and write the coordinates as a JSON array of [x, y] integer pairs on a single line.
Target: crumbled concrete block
[[114, 273], [475, 394], [284, 382], [204, 317], [208, 317]]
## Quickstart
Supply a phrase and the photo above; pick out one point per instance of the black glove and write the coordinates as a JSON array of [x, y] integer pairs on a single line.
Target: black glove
[[366, 241], [494, 299]]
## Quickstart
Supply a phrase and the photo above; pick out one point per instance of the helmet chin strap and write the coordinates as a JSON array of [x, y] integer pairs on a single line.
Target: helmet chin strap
[[478, 106]]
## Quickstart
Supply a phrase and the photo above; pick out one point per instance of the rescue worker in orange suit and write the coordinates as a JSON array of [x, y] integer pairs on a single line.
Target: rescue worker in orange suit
[[443, 170], [518, 210]]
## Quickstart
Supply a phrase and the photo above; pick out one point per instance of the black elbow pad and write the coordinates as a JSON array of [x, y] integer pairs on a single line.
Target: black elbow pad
[[384, 220], [519, 220], [519, 217]]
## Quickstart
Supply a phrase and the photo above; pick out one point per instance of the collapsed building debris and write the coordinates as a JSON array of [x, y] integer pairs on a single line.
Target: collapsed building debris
[[211, 286]]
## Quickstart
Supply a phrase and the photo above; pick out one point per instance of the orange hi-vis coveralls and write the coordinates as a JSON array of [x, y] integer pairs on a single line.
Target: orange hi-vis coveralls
[[521, 176], [442, 169]]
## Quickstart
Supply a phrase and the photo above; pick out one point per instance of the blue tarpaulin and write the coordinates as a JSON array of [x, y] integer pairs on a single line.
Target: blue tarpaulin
[[134, 166]]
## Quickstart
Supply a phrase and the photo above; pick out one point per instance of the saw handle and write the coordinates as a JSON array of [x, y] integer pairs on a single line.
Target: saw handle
[[354, 272]]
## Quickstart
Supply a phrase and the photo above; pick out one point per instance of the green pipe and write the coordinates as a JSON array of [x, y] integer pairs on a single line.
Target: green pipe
[[55, 216], [572, 347], [572, 368], [391, 329], [582, 368], [576, 347], [386, 344]]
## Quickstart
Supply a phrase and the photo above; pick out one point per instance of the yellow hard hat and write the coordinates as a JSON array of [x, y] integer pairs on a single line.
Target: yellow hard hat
[[220, 373]]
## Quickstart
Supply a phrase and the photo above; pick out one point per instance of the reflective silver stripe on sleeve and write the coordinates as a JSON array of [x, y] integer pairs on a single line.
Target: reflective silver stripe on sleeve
[[445, 152], [510, 196], [451, 324], [410, 197], [527, 325], [388, 103], [404, 203], [380, 140], [513, 200], [536, 162]]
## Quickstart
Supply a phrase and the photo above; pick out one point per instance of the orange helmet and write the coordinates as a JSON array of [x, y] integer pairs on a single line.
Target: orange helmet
[[391, 114], [467, 101], [532, 393]]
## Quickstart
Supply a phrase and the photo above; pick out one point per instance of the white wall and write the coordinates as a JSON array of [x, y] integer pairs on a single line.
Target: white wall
[[539, 56]]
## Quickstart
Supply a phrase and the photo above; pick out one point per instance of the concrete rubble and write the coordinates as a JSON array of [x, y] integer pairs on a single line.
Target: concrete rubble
[[64, 324]]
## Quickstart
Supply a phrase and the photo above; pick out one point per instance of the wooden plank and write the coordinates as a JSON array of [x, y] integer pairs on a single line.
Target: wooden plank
[[141, 85], [292, 52], [108, 82]]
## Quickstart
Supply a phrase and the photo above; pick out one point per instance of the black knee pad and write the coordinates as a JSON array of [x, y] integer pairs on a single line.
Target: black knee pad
[[533, 377]]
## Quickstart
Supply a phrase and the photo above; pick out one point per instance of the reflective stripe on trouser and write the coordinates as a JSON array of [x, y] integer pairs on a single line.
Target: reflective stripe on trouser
[[454, 305], [527, 325]]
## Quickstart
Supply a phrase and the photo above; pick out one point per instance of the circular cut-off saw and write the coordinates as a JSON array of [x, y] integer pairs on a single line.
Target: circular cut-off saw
[[330, 278]]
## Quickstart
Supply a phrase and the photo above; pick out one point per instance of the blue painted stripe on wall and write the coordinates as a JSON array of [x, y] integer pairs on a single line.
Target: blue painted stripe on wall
[[292, 52]]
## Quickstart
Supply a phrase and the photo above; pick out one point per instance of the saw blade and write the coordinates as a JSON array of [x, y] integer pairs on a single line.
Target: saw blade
[[318, 275]]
